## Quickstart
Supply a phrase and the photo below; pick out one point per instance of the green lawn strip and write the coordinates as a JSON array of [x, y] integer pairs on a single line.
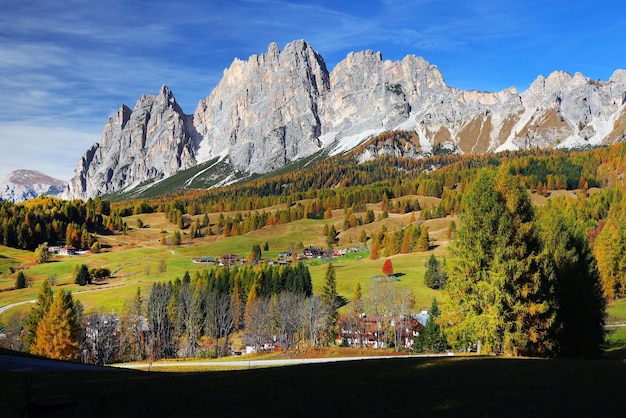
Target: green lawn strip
[[616, 312]]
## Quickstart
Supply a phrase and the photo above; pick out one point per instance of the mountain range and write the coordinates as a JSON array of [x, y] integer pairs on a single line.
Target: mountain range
[[281, 106], [20, 185]]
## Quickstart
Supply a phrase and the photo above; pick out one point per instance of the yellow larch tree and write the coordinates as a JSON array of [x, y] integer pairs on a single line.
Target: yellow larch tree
[[58, 331]]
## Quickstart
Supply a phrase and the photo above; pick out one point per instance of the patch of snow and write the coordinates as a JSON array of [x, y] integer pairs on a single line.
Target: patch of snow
[[228, 180], [221, 158], [507, 146], [348, 142], [204, 152], [407, 125], [328, 138], [603, 127], [572, 141]]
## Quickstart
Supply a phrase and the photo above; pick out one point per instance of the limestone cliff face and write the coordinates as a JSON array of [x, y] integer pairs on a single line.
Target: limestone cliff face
[[264, 111], [283, 105], [152, 141]]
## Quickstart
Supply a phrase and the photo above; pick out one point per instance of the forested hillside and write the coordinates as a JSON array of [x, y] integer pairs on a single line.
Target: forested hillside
[[538, 234]]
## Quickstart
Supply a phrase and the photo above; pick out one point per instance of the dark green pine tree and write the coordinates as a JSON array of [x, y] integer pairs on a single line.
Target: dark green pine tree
[[433, 338], [435, 276], [82, 276], [20, 281], [332, 236], [330, 298], [256, 254]]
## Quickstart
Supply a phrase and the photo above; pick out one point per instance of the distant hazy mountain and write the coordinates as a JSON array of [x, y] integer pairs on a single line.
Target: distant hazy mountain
[[280, 106], [20, 185]]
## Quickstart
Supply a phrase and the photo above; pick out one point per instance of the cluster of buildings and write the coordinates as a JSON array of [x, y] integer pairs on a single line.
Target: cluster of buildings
[[284, 257], [381, 331], [64, 250]]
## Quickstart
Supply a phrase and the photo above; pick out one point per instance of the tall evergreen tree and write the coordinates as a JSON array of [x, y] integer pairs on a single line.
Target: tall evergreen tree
[[237, 305], [357, 299], [581, 305], [20, 281], [432, 337], [330, 298], [82, 276], [332, 236], [500, 300], [256, 254], [435, 276]]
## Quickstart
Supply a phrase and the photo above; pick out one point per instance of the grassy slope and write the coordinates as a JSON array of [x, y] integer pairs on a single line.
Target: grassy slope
[[134, 259]]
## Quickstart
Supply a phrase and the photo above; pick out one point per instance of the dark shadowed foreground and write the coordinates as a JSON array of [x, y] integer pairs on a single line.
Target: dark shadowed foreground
[[390, 387]]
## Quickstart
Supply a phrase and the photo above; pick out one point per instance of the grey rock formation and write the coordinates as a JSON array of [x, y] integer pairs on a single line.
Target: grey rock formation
[[283, 105], [264, 112], [20, 185], [152, 141]]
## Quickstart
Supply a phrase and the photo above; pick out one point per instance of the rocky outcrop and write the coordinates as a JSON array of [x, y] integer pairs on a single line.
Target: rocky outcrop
[[283, 105], [20, 185], [152, 141], [265, 111]]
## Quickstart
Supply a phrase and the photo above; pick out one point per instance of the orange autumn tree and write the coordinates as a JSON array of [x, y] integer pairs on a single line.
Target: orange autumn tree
[[388, 267], [58, 331]]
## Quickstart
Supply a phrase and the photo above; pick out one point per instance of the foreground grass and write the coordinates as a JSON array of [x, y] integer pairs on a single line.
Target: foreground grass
[[392, 387]]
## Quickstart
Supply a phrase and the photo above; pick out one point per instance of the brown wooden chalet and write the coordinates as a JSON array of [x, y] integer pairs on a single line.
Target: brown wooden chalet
[[378, 331]]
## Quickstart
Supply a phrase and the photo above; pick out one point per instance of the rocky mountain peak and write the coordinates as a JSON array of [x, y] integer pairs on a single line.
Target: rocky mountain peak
[[152, 141], [279, 106]]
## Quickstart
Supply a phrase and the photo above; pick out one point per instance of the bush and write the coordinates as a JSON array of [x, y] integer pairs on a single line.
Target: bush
[[100, 273]]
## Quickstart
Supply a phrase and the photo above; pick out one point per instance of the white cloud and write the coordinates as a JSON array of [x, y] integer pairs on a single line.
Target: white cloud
[[53, 150]]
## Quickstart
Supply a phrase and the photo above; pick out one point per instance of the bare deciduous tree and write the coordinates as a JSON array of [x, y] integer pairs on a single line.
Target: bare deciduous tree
[[101, 343], [219, 320], [314, 320], [161, 340], [133, 328], [257, 324], [189, 318], [286, 317]]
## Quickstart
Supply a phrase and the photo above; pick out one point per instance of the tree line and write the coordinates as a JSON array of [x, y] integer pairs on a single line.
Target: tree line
[[28, 224]]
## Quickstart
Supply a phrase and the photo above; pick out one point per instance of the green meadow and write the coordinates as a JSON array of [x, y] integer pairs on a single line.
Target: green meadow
[[137, 260]]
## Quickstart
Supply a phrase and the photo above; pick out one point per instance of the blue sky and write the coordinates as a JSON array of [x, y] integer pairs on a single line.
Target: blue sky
[[67, 66]]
